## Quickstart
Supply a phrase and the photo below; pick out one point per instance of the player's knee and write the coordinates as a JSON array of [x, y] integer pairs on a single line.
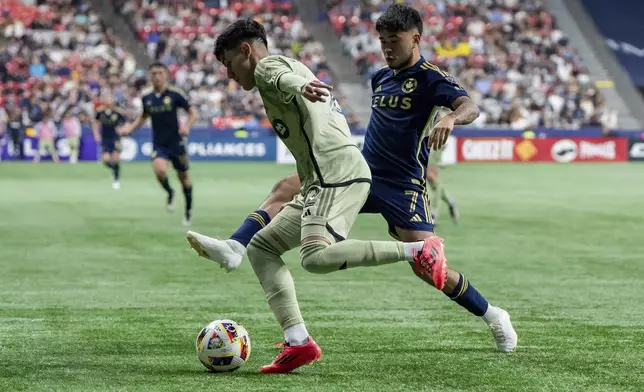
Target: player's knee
[[312, 255], [260, 246], [285, 190]]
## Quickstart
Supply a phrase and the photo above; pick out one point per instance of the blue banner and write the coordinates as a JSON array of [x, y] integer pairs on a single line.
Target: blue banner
[[30, 147], [620, 22], [203, 146]]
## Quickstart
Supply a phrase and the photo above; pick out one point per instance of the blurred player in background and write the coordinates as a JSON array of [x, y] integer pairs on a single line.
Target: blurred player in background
[[439, 191], [407, 97], [169, 139], [107, 121], [335, 184], [15, 130]]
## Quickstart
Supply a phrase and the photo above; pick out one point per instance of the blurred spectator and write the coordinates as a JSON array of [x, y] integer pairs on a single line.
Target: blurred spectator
[[46, 130], [72, 132]]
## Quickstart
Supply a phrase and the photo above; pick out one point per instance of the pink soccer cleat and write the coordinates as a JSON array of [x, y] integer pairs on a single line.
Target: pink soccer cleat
[[293, 357], [431, 261]]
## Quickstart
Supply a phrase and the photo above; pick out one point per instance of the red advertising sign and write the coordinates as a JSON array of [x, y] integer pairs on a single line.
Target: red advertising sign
[[484, 149]]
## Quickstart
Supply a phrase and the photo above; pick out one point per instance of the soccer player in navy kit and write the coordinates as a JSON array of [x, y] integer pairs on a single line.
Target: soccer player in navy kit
[[107, 120], [169, 140], [407, 97]]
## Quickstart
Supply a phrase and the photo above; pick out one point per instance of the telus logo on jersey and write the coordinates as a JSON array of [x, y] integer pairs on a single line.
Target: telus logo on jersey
[[391, 101]]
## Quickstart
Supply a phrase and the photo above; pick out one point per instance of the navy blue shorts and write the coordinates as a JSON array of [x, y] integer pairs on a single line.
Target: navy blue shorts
[[177, 155], [110, 145], [404, 208]]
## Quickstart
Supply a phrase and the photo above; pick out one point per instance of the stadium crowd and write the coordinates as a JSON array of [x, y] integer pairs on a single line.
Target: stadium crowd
[[58, 57], [508, 54]]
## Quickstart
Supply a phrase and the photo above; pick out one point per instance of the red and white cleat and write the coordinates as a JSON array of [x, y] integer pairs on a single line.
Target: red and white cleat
[[293, 357], [431, 261]]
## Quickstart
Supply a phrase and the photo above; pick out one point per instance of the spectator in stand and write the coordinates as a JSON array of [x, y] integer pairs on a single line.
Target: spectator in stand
[[46, 131], [72, 132]]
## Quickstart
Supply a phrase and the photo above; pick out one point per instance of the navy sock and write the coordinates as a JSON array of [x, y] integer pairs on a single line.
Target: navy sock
[[251, 225], [187, 193], [166, 185], [117, 170], [468, 297], [109, 164]]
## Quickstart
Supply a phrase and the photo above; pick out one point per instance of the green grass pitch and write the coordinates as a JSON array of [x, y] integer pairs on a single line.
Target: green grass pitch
[[100, 292]]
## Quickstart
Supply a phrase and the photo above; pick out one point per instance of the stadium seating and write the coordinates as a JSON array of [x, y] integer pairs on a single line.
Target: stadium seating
[[510, 55], [59, 53], [181, 34]]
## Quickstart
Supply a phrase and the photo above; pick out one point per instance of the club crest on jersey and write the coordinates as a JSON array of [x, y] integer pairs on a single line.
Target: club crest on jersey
[[409, 85], [167, 101]]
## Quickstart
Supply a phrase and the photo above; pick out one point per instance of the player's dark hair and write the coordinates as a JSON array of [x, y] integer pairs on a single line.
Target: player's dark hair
[[157, 64], [398, 18], [243, 30]]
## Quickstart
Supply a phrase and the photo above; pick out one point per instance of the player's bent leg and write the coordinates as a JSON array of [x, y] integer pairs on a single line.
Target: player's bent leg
[[328, 216], [264, 253], [160, 167], [459, 290], [229, 253]]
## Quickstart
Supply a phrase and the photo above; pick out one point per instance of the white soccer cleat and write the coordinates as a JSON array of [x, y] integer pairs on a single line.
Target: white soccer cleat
[[116, 185], [504, 334], [228, 253], [187, 221], [170, 203]]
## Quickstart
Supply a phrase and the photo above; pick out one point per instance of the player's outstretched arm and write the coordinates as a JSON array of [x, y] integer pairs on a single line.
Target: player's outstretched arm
[[278, 73], [464, 112]]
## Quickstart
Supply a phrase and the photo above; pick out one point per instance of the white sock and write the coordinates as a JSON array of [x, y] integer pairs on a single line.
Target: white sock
[[412, 249], [237, 247], [491, 314], [296, 335]]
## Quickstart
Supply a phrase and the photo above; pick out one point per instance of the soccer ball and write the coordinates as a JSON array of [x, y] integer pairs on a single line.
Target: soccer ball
[[223, 346]]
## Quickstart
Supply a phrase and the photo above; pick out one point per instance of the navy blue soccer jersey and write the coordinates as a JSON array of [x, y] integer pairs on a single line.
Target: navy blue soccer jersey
[[162, 110], [110, 117], [405, 106]]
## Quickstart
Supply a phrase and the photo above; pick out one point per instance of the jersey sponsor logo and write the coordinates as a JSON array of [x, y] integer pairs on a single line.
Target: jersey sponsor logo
[[409, 85], [392, 101], [564, 151], [281, 129]]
